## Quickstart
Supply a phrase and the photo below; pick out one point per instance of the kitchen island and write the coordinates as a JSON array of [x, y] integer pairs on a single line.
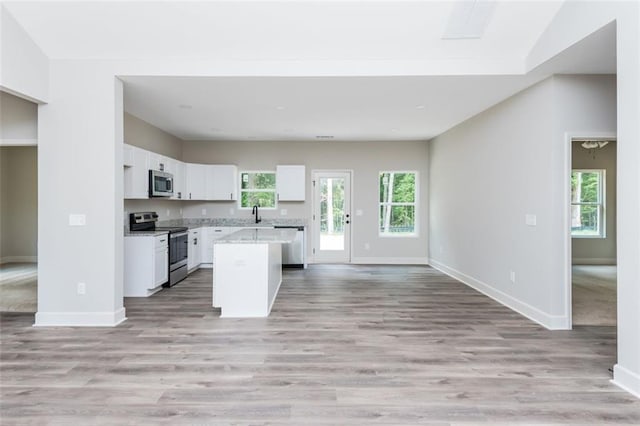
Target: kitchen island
[[247, 271]]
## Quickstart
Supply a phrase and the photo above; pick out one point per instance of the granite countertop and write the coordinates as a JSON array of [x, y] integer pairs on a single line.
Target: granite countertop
[[128, 233], [258, 236], [233, 222], [222, 222]]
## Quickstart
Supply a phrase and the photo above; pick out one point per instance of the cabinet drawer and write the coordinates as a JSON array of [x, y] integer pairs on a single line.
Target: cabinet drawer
[[162, 241]]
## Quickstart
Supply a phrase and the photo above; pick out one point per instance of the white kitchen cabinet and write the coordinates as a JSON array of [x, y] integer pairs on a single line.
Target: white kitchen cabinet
[[177, 169], [127, 155], [222, 182], [161, 261], [159, 162], [136, 174], [196, 182], [209, 235], [146, 264], [194, 253], [290, 183]]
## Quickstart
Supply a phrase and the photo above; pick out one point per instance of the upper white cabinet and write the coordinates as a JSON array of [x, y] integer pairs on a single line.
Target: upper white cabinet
[[196, 182], [179, 170], [290, 183], [136, 172], [222, 182]]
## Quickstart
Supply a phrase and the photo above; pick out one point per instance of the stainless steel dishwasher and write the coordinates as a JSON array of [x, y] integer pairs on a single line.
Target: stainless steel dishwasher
[[293, 253]]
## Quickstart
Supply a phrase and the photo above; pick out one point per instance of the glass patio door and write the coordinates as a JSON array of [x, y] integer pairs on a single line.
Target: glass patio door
[[332, 217]]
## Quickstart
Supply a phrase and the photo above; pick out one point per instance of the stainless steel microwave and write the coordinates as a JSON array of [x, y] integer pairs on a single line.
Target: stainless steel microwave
[[160, 184]]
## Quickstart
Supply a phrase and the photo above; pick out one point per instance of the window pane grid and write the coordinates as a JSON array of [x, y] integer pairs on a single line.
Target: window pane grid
[[397, 201], [258, 188], [587, 203]]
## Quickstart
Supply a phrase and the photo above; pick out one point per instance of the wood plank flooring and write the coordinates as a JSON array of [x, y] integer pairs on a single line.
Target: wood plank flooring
[[344, 345]]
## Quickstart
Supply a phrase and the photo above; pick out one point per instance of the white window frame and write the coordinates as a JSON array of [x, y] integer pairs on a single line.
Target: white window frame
[[601, 204], [240, 190], [415, 204]]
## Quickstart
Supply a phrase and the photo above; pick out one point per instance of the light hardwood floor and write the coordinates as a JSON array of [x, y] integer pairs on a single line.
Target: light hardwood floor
[[343, 345], [594, 295]]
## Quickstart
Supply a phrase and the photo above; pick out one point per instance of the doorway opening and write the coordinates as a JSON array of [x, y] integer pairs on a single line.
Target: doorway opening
[[331, 232], [593, 232]]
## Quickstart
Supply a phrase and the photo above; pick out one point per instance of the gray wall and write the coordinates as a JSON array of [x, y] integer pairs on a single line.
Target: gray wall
[[366, 159], [18, 118], [585, 251], [143, 135], [489, 172], [18, 203]]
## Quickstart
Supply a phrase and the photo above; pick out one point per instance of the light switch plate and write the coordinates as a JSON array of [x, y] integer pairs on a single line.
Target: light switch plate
[[77, 220], [359, 212], [283, 212]]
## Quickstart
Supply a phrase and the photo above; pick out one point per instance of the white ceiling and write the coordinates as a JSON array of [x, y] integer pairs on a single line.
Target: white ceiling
[[301, 108]]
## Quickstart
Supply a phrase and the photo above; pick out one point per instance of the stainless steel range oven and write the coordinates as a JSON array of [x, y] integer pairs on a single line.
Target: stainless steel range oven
[[178, 243]]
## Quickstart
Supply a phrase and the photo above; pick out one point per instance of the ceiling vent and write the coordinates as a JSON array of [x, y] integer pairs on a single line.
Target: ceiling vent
[[468, 19]]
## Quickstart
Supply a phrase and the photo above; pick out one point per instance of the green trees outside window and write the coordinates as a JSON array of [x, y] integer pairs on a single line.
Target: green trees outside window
[[587, 203], [258, 188], [397, 192]]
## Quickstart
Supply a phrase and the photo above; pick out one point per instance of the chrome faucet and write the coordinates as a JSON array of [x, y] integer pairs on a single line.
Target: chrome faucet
[[255, 211]]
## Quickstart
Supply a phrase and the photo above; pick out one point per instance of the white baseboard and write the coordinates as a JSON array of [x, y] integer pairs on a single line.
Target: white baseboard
[[18, 142], [18, 259], [205, 266], [594, 261], [627, 380], [390, 260], [80, 319], [551, 322]]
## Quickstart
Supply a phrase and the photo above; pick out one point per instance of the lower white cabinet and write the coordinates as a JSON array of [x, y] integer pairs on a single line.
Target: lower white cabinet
[[209, 235], [161, 262], [146, 264], [194, 253]]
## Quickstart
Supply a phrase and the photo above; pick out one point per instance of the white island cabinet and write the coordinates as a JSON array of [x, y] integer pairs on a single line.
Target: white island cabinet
[[247, 271]]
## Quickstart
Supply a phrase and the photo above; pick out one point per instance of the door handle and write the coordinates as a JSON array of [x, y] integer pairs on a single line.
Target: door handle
[[347, 222]]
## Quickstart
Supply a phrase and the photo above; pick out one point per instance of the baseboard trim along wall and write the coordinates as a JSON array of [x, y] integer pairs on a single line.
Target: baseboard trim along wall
[[18, 259], [551, 322], [594, 261], [390, 261], [18, 142], [627, 380], [80, 319]]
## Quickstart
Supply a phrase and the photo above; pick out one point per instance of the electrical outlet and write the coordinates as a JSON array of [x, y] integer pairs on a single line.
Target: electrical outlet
[[180, 212], [283, 212], [82, 289], [232, 211], [367, 246], [441, 249], [512, 276], [168, 212], [204, 212]]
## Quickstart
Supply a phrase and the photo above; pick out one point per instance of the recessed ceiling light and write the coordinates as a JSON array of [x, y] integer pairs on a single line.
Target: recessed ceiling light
[[394, 130], [419, 106], [185, 106], [324, 137], [251, 137], [279, 108], [215, 129]]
